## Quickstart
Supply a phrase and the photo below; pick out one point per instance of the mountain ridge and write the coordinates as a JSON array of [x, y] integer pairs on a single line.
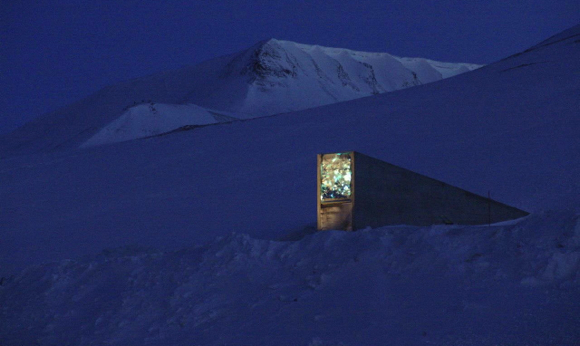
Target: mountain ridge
[[271, 77]]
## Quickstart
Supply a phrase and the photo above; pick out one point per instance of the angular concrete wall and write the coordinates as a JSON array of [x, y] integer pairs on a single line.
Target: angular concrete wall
[[384, 194]]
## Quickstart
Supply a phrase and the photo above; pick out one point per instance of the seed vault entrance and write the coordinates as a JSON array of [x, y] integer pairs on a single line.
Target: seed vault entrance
[[357, 191]]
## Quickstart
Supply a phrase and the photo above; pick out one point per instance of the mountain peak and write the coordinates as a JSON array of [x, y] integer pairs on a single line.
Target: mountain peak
[[271, 77], [269, 58], [339, 74], [272, 41]]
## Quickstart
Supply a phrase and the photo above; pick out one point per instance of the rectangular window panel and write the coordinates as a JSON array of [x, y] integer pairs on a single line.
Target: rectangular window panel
[[336, 176]]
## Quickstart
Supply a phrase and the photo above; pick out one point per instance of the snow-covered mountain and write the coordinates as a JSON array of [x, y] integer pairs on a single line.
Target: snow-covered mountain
[[271, 77], [510, 127], [282, 76]]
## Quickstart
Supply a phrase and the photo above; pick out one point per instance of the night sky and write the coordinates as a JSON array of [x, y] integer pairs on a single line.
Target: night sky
[[56, 52]]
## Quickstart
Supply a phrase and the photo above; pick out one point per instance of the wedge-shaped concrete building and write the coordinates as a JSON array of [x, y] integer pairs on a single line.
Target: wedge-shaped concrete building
[[357, 191]]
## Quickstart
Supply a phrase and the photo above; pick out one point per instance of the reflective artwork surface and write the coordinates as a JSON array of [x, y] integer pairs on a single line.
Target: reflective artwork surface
[[336, 176]]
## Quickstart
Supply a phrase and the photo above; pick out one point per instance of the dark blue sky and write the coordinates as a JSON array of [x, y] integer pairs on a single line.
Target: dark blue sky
[[57, 52]]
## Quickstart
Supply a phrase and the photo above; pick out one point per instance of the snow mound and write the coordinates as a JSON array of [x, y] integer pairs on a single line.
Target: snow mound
[[151, 119], [394, 285]]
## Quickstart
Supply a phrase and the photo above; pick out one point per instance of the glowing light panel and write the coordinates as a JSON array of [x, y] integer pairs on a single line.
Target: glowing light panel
[[336, 177]]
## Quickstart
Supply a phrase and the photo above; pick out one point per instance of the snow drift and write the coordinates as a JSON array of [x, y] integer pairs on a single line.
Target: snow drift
[[511, 284]]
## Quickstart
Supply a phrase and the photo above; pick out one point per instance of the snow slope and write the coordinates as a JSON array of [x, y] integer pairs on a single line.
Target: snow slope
[[510, 127], [271, 77], [513, 284], [152, 119]]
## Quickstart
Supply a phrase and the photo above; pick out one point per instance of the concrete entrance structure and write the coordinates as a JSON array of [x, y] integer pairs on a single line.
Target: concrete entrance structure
[[357, 191]]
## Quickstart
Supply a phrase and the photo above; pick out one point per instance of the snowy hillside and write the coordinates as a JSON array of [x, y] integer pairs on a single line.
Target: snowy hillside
[[151, 119], [514, 284], [166, 206], [271, 77]]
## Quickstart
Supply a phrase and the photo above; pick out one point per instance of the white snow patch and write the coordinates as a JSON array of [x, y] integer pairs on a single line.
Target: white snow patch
[[151, 119]]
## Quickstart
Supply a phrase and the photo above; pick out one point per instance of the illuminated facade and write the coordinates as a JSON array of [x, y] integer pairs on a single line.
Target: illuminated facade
[[335, 177], [357, 191]]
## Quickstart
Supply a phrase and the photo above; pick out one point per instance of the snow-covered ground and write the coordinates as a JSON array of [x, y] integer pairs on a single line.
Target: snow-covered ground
[[514, 284], [175, 274]]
